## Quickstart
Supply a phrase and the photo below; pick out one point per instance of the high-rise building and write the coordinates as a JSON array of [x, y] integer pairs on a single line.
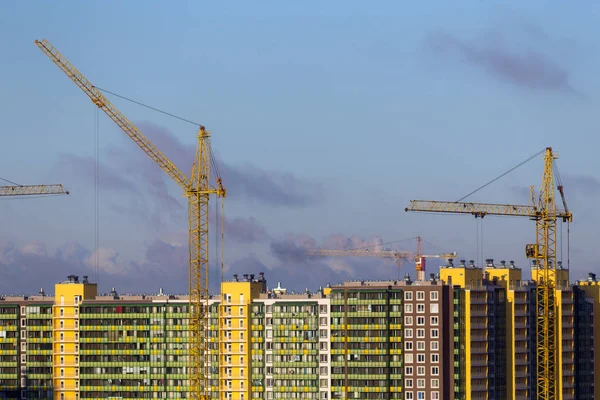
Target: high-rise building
[[468, 333]]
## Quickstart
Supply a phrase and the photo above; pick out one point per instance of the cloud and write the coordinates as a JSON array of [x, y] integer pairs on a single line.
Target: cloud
[[83, 168], [245, 230], [105, 260], [524, 68], [585, 184], [246, 182]]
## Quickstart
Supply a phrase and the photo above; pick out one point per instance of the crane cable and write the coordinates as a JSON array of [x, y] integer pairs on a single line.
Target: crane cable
[[97, 193], [8, 181], [213, 163], [480, 223], [502, 175]]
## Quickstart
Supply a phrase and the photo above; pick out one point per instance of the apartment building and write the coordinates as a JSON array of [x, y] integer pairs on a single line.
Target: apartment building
[[480, 318], [467, 334]]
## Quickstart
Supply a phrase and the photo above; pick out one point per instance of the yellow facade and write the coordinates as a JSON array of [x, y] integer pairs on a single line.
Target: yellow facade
[[234, 331], [465, 277], [65, 353]]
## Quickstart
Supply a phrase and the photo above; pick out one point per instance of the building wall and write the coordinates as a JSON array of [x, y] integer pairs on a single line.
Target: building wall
[[351, 344]]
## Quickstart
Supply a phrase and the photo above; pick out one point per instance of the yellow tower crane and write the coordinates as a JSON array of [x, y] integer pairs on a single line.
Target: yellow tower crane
[[32, 190], [545, 214], [397, 255], [197, 189]]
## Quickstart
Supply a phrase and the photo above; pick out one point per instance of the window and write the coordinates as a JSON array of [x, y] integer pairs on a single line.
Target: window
[[241, 298], [323, 309], [420, 371], [420, 320], [323, 346], [407, 295], [62, 348], [435, 370], [434, 308], [323, 333], [62, 324], [62, 312], [435, 333], [408, 358], [62, 396], [62, 360], [408, 333], [420, 358], [408, 320], [408, 370], [408, 396], [420, 346], [435, 383], [434, 345], [62, 336], [408, 345], [62, 372], [433, 295], [408, 308], [323, 321], [409, 383], [420, 295], [323, 358], [435, 321], [435, 358], [435, 395], [241, 323], [420, 308], [420, 395], [420, 383], [420, 333]]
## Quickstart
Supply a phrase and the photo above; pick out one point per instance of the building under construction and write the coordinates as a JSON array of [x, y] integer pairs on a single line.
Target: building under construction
[[464, 334]]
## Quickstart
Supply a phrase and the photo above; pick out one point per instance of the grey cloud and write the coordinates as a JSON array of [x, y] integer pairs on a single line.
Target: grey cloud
[[293, 276], [83, 167], [245, 230], [586, 184], [247, 181], [528, 68]]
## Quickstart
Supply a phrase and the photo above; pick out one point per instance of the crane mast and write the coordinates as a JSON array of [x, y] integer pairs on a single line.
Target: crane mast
[[545, 213], [197, 189]]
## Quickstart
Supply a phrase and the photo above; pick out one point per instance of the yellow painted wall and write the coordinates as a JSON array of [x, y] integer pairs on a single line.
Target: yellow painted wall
[[234, 317], [462, 276], [68, 297]]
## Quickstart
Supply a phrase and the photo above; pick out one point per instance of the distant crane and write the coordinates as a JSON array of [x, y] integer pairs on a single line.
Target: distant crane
[[32, 190], [197, 189], [397, 255], [545, 214]]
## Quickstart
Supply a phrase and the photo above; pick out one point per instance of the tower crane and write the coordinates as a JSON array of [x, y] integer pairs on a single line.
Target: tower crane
[[543, 253], [397, 255], [197, 188], [32, 190]]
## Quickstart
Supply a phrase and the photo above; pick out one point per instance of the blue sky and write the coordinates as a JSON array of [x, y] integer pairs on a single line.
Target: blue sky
[[328, 117]]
